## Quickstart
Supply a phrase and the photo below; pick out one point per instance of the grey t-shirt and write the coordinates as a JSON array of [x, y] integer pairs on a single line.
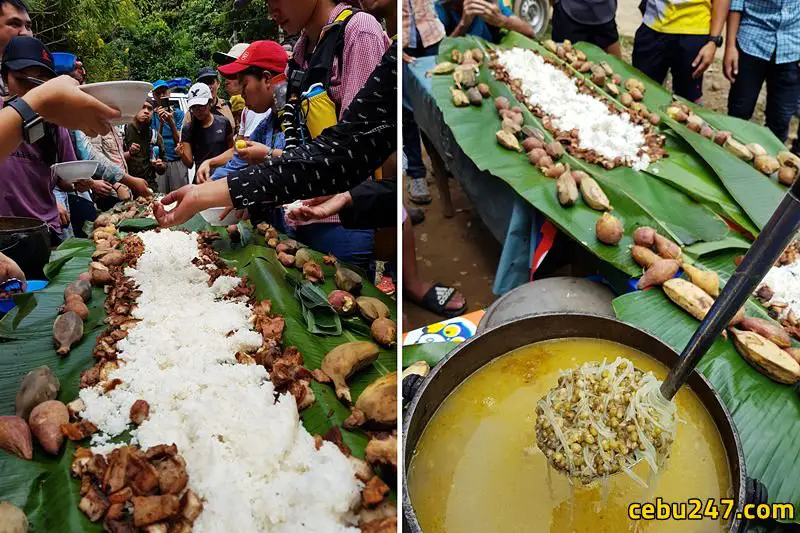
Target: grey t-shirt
[[207, 142], [590, 12]]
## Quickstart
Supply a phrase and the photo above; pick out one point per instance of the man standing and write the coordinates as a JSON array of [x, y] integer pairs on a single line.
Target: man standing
[[764, 45], [680, 36], [210, 77], [166, 121], [144, 147], [14, 20]]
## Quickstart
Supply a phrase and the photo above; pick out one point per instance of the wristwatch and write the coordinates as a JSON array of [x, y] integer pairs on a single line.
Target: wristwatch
[[32, 123], [716, 39]]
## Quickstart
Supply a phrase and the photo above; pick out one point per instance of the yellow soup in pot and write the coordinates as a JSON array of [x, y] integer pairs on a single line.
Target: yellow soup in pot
[[477, 467]]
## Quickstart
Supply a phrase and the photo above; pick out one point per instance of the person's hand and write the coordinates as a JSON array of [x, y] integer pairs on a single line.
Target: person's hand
[[102, 188], [63, 214], [408, 59], [134, 149], [166, 116], [488, 11], [731, 63], [83, 185], [138, 186], [179, 149], [203, 173], [61, 102], [123, 193], [319, 208], [254, 153], [158, 164], [704, 59], [10, 269], [188, 206]]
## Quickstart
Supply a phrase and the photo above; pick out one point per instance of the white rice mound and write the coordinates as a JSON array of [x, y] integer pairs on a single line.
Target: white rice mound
[[248, 457], [609, 134], [784, 280]]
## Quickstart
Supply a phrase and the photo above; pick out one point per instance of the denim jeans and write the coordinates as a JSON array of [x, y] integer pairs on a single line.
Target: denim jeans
[[348, 245], [412, 146], [782, 91]]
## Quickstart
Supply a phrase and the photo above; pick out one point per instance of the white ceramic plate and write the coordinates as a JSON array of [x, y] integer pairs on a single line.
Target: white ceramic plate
[[127, 96], [74, 170], [211, 216]]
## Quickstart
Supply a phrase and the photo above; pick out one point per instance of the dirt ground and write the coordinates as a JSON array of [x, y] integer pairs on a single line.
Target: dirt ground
[[461, 252]]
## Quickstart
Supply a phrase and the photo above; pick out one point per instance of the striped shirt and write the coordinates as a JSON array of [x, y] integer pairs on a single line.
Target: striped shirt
[[769, 27], [425, 22], [364, 44]]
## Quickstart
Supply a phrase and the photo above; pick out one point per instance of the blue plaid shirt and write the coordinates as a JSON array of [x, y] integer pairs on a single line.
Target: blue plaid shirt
[[769, 27]]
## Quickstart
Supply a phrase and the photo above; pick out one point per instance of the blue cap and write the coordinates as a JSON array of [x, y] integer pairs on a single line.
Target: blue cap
[[64, 62], [159, 84]]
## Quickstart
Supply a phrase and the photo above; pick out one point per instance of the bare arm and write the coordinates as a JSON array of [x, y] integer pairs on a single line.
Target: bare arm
[[734, 19], [186, 154], [221, 159], [719, 13], [10, 131], [514, 23]]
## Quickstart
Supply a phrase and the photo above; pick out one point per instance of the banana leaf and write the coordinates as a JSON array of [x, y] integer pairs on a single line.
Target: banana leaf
[[137, 224], [636, 199], [43, 487], [743, 130], [766, 414], [430, 352], [757, 194], [683, 169]]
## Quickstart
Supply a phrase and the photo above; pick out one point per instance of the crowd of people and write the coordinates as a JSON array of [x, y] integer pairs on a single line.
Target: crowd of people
[[299, 113]]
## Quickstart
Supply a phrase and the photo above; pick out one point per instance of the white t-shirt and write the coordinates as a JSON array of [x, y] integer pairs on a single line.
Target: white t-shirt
[[250, 120]]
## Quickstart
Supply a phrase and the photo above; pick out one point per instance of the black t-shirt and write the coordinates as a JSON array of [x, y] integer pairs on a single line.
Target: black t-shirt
[[207, 142]]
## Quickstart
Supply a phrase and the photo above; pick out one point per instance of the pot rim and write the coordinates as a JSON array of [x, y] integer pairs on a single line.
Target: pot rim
[[410, 522]]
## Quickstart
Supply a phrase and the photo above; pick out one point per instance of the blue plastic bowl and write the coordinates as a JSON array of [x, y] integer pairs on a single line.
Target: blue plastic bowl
[[8, 304]]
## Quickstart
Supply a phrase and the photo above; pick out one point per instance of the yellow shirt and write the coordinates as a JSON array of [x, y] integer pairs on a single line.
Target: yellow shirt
[[691, 17]]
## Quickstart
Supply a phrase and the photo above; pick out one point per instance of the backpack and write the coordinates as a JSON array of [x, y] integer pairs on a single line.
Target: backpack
[[309, 109]]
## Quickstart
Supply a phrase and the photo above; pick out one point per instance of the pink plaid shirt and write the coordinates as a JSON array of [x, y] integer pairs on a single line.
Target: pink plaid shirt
[[365, 42]]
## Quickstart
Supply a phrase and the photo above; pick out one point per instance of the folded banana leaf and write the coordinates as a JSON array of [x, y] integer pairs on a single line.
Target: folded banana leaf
[[321, 318], [43, 487]]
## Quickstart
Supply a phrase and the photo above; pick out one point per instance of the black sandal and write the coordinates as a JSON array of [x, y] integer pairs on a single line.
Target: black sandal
[[435, 301]]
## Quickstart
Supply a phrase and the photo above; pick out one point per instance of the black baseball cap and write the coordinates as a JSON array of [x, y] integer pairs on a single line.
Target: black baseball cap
[[23, 52], [207, 72]]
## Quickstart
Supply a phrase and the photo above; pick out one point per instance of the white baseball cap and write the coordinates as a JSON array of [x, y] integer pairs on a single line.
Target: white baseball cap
[[221, 58], [199, 94]]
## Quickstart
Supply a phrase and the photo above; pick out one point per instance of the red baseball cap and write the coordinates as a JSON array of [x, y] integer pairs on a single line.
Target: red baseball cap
[[268, 55]]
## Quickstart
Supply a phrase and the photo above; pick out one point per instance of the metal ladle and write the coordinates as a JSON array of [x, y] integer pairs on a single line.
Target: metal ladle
[[763, 254]]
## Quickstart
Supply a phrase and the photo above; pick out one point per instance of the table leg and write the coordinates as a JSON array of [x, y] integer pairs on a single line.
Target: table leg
[[441, 176]]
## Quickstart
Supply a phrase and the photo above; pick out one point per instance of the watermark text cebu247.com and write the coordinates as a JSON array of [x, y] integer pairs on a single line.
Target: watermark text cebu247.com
[[697, 509]]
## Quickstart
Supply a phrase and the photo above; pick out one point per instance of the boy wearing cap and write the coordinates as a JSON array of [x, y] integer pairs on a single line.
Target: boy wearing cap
[[166, 121], [258, 71], [206, 135], [210, 77], [25, 177]]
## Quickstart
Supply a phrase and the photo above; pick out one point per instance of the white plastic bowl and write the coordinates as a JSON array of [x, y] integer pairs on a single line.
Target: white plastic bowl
[[74, 170], [211, 216], [127, 96]]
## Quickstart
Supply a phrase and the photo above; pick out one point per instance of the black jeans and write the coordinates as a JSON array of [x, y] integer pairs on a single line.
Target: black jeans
[[656, 53], [412, 146], [782, 91]]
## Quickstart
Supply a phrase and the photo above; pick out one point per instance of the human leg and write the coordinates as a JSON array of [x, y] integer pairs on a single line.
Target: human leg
[[650, 54], [683, 53], [744, 90], [782, 91]]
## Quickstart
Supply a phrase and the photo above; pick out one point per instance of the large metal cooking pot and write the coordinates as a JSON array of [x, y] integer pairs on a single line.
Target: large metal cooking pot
[[26, 241], [467, 358]]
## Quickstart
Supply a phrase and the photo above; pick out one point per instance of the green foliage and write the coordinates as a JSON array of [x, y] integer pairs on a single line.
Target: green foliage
[[147, 39]]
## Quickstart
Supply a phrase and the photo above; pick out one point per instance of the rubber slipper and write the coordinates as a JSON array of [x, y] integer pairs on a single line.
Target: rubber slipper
[[435, 301], [416, 215]]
